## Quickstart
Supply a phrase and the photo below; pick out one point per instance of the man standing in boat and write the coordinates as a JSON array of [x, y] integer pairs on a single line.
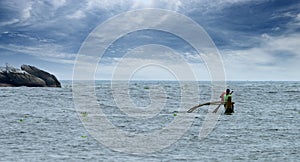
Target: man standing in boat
[[226, 94], [227, 99]]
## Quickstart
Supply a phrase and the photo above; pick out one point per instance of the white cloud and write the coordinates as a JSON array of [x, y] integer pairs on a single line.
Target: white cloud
[[10, 22], [106, 4], [77, 15], [26, 12], [298, 17], [297, 20], [286, 42], [142, 4], [208, 6], [20, 12], [48, 52], [166, 4], [57, 3], [277, 55]]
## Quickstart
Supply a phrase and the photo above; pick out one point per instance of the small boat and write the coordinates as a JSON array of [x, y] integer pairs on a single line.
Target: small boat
[[229, 106]]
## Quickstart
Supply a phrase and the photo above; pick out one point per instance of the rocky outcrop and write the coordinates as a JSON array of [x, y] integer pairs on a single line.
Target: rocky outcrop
[[4, 82], [3, 77], [24, 79], [30, 77], [51, 80]]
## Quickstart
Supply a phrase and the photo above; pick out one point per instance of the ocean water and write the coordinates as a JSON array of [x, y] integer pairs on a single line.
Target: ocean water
[[42, 124]]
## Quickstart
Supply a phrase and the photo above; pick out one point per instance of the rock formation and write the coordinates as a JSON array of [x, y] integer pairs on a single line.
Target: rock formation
[[29, 76], [50, 79]]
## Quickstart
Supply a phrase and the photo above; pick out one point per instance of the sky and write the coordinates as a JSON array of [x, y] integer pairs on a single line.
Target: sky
[[258, 40]]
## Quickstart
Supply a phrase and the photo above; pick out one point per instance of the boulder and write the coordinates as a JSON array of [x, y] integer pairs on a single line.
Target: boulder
[[4, 80], [50, 80], [24, 79], [3, 77]]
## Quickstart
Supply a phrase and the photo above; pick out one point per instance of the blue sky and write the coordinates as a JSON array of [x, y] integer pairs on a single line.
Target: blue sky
[[258, 40]]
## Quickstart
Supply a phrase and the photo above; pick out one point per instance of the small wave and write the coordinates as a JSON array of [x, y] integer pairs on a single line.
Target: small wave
[[272, 92], [287, 91], [292, 91], [5, 96]]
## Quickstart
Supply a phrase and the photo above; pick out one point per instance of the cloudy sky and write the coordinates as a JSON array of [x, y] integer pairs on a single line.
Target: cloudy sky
[[257, 39]]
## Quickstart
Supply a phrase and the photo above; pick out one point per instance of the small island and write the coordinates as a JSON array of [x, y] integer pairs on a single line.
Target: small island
[[28, 76]]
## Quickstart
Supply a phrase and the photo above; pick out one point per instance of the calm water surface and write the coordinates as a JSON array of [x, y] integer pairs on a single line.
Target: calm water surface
[[41, 124]]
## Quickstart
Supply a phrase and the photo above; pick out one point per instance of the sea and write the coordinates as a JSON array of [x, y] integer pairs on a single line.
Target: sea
[[47, 124]]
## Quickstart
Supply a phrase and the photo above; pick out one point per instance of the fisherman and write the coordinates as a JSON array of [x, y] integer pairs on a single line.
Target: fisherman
[[228, 98], [226, 95]]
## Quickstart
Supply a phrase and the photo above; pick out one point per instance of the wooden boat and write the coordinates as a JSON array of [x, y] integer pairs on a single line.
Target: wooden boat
[[229, 106]]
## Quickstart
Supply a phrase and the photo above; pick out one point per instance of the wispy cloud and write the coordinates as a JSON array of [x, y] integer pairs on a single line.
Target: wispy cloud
[[57, 3], [45, 52], [77, 15]]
